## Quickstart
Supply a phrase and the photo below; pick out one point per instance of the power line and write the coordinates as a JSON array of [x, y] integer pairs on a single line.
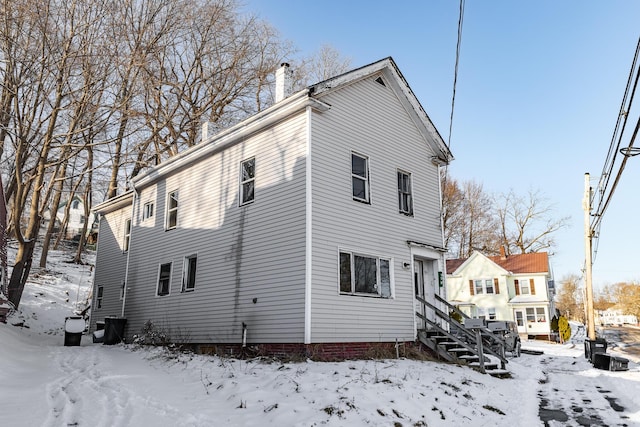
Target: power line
[[604, 191], [455, 72]]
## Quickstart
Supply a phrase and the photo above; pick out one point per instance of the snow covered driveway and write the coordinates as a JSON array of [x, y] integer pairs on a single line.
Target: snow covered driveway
[[573, 393]]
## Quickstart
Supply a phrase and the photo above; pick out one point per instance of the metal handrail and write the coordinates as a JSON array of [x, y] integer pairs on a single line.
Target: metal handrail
[[471, 336]]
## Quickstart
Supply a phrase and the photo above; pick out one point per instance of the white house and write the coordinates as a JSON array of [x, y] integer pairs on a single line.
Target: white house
[[515, 288], [615, 317], [299, 229]]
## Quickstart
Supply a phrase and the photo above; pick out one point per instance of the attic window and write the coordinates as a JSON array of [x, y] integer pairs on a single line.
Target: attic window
[[380, 81]]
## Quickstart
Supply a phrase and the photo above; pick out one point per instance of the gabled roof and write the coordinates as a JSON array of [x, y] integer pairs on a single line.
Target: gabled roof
[[308, 97], [537, 262], [388, 68]]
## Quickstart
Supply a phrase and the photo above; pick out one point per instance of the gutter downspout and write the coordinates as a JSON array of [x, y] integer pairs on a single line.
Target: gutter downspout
[[126, 271], [308, 234]]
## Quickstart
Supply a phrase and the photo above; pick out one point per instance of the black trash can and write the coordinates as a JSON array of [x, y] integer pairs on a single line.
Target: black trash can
[[601, 361], [593, 347], [73, 328], [113, 330]]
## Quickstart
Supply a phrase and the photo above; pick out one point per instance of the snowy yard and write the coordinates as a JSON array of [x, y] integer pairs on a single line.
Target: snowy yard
[[45, 383]]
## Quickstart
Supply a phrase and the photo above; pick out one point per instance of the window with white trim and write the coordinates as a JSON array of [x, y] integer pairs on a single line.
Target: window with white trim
[[127, 235], [525, 289], [360, 178], [365, 275], [189, 273], [488, 313], [147, 210], [164, 279], [405, 199], [483, 286], [536, 315], [172, 210], [247, 181]]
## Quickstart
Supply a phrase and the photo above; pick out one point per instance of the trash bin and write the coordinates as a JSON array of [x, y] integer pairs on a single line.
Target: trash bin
[[592, 347], [610, 363], [618, 364], [73, 328], [113, 330], [98, 336], [601, 361]]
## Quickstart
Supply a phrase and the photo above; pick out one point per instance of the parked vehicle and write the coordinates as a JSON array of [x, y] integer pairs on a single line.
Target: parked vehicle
[[508, 331]]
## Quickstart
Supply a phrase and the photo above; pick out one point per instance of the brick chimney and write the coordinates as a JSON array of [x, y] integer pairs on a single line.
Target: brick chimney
[[284, 81], [502, 253]]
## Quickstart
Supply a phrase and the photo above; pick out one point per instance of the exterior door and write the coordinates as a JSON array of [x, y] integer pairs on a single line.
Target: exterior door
[[424, 281], [418, 284], [520, 321]]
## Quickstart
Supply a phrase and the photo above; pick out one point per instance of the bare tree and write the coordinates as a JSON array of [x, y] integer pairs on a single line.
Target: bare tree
[[569, 300], [626, 297], [527, 224], [468, 218], [325, 63]]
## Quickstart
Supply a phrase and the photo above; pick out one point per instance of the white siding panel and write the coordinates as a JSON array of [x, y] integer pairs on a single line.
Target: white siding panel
[[250, 265], [367, 118], [111, 264]]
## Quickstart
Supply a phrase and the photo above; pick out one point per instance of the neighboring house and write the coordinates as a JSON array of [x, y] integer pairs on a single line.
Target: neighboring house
[[515, 287], [76, 218], [298, 230], [615, 317]]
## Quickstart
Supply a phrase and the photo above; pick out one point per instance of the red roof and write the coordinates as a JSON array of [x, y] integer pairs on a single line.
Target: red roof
[[537, 262]]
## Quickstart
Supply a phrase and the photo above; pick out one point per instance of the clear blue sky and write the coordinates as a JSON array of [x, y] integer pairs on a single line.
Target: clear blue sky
[[539, 89]]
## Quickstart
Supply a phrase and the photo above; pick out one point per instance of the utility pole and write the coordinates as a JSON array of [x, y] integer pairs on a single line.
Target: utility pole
[[588, 235]]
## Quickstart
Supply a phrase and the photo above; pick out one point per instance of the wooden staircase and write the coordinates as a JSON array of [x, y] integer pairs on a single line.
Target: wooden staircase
[[479, 348]]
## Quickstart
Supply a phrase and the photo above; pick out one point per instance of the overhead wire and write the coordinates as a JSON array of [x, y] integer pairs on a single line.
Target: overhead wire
[[455, 71], [604, 194]]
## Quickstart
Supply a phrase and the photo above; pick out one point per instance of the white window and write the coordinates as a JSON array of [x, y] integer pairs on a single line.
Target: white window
[[147, 210], [172, 210], [247, 181], [189, 273], [164, 279], [75, 204], [524, 287], [360, 178], [478, 287], [365, 275], [99, 296], [491, 313], [536, 315], [127, 235], [483, 286], [405, 200], [488, 284]]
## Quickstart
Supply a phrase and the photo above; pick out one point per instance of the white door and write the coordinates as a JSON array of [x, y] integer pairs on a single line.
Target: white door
[[520, 321]]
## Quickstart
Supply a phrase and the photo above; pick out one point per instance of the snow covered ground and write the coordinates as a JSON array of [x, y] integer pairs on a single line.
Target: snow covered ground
[[43, 383]]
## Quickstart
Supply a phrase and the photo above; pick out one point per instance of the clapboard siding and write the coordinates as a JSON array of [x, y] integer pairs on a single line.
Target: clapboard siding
[[111, 264], [367, 118], [244, 253]]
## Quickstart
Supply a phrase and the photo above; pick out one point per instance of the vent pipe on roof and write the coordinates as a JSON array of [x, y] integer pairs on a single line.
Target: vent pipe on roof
[[284, 82], [205, 132]]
